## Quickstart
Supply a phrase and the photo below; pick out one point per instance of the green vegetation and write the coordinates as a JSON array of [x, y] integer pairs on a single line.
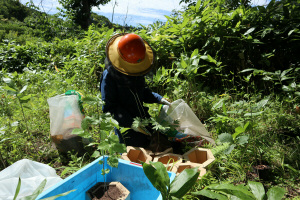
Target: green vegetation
[[80, 10], [158, 176], [236, 66], [38, 191]]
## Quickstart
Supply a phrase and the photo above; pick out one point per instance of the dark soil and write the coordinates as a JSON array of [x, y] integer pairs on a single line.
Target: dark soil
[[111, 193], [104, 192]]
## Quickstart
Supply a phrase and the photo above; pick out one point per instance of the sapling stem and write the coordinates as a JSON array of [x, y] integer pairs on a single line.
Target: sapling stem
[[30, 135], [4, 166]]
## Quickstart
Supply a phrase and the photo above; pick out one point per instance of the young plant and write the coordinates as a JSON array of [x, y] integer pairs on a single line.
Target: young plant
[[158, 176], [109, 141], [157, 124], [13, 89], [226, 191], [37, 191]]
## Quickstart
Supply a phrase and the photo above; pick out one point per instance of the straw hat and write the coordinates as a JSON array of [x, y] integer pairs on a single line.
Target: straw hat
[[130, 54]]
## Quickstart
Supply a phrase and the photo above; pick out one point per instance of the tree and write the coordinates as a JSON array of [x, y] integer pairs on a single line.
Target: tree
[[13, 8], [232, 4], [100, 20], [80, 10]]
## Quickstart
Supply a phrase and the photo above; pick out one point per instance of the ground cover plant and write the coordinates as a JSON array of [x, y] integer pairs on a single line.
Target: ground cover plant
[[236, 67]]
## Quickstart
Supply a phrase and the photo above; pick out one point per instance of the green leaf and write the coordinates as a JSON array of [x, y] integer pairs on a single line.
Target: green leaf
[[184, 182], [249, 31], [183, 63], [276, 193], [257, 189], [291, 31], [224, 109], [104, 146], [291, 168], [27, 107], [247, 70], [59, 195], [198, 5], [68, 169], [229, 150], [113, 139], [25, 98], [123, 130], [218, 104], [109, 33], [24, 101], [208, 58], [172, 30], [90, 100], [96, 154], [17, 189], [261, 104], [161, 170], [225, 137], [113, 161], [10, 89], [86, 122], [242, 140], [287, 88], [16, 123], [7, 80], [105, 171], [23, 89], [70, 81], [238, 131], [119, 148], [195, 52], [253, 114], [77, 131], [247, 126], [282, 75], [103, 134], [156, 178], [241, 194], [38, 191], [184, 23], [210, 194], [239, 190], [92, 70]]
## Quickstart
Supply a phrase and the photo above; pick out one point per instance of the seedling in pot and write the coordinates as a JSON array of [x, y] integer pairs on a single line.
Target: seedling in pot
[[109, 144]]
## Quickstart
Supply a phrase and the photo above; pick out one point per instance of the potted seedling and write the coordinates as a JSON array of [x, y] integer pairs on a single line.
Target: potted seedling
[[109, 190], [109, 145]]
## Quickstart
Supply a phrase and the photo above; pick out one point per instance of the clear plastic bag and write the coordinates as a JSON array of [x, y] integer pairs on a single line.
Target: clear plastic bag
[[189, 124], [31, 174], [65, 115]]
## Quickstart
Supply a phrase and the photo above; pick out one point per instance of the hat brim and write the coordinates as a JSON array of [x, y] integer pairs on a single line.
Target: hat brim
[[136, 69]]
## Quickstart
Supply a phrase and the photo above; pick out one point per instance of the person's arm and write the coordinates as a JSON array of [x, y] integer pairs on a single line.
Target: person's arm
[[151, 97], [112, 105]]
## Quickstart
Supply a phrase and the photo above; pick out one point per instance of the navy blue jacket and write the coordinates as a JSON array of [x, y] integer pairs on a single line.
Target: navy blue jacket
[[124, 96]]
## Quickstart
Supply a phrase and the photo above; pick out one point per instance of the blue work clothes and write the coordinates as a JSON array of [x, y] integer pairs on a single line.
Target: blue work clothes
[[124, 96]]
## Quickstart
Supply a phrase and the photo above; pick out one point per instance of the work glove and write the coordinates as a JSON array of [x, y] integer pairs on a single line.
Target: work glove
[[166, 101]]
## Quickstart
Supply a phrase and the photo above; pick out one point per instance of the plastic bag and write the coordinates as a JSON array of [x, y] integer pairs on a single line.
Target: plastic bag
[[31, 173], [65, 115], [189, 124]]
